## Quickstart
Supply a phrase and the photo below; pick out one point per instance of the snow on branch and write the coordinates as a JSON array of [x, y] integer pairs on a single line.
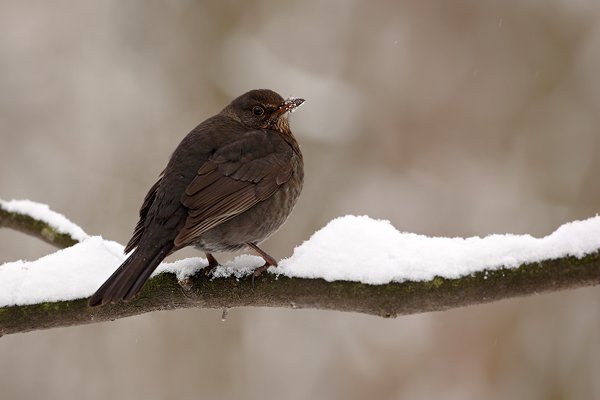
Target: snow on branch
[[38, 220], [352, 264]]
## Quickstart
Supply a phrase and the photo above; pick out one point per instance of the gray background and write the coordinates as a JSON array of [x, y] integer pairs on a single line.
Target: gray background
[[447, 118]]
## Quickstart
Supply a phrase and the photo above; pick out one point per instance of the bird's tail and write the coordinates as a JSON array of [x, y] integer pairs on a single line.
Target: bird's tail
[[129, 278]]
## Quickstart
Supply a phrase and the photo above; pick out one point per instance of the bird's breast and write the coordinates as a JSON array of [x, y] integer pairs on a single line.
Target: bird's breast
[[259, 222]]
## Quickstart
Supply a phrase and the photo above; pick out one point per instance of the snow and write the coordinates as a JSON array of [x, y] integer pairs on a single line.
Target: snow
[[240, 266], [42, 212], [67, 274], [352, 248], [359, 248], [77, 272]]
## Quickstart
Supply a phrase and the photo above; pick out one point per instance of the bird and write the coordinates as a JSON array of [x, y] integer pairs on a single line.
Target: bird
[[229, 184]]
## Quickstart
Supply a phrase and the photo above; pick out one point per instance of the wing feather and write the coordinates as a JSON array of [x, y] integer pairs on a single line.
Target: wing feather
[[139, 228], [233, 180]]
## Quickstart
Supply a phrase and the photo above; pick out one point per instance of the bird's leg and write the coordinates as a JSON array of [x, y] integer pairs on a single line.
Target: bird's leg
[[212, 264], [269, 261]]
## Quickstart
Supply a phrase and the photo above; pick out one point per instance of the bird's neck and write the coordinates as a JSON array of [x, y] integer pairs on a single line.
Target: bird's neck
[[291, 140], [282, 126]]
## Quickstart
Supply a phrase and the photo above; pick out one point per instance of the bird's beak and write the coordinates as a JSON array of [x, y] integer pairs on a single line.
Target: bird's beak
[[288, 106]]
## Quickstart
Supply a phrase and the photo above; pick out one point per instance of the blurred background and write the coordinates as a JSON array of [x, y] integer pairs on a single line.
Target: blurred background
[[448, 118]]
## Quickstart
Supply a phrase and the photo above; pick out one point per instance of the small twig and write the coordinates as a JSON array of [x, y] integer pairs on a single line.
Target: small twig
[[36, 228], [224, 314]]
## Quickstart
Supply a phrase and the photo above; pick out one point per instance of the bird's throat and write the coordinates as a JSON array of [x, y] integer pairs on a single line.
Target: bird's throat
[[281, 125]]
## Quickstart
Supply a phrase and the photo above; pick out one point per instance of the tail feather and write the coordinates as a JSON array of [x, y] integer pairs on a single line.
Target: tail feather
[[130, 277]]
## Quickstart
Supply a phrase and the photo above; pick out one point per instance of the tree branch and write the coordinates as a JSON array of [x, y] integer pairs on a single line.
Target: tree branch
[[164, 292], [34, 227]]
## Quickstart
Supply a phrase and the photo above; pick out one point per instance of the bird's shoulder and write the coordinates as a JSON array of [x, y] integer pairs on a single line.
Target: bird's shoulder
[[250, 158], [211, 134], [252, 145]]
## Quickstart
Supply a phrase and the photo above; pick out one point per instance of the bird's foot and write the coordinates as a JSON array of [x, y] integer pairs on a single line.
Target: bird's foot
[[212, 264], [269, 262], [258, 271]]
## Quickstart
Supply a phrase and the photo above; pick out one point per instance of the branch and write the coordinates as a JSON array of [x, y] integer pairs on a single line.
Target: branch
[[35, 227], [165, 292]]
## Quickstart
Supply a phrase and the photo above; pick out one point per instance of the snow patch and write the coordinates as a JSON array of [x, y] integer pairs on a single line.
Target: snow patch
[[71, 273], [239, 267], [43, 213], [362, 249]]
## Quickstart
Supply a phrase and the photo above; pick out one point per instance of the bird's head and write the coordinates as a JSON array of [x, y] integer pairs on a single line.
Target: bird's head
[[264, 109]]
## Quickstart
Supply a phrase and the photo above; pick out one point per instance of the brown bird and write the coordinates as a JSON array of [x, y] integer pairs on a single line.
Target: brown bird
[[230, 184]]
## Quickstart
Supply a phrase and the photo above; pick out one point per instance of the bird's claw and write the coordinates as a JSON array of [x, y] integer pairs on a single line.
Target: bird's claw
[[208, 270], [258, 271], [212, 264]]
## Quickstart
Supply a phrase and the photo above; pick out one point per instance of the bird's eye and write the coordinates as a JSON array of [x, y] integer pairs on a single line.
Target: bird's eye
[[258, 111]]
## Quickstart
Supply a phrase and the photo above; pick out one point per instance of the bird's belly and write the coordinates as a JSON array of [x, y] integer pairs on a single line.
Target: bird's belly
[[255, 224]]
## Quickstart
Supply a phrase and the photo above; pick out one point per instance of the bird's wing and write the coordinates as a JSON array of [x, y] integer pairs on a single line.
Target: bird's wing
[[235, 178], [139, 228]]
